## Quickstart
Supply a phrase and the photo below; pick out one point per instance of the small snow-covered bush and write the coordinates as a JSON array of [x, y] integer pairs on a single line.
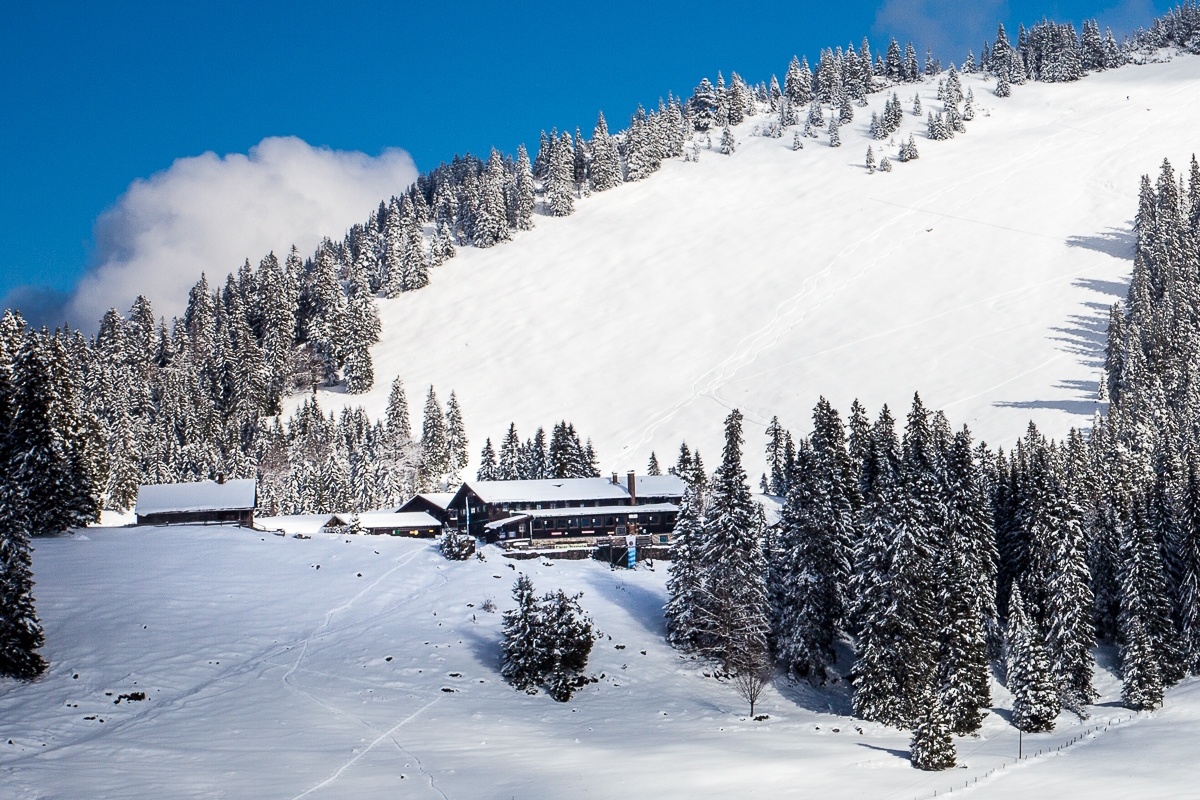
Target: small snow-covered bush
[[457, 546], [546, 642]]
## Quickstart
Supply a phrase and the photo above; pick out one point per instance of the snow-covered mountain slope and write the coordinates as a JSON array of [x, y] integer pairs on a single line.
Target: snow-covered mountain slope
[[268, 678], [979, 275]]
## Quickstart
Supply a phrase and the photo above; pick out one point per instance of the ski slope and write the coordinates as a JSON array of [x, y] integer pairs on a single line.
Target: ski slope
[[979, 275], [268, 679]]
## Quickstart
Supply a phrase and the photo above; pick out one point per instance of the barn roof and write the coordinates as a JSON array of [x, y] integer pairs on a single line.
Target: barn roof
[[237, 495], [393, 519], [297, 523]]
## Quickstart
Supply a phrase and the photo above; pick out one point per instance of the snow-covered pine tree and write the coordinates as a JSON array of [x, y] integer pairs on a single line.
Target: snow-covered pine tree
[[732, 616], [522, 201], [524, 650], [877, 674], [456, 546], [816, 117], [653, 468], [1189, 564], [885, 165], [1002, 87], [491, 213], [917, 105], [567, 633], [20, 631], [816, 533], [397, 419], [1141, 679], [931, 747], [41, 465], [797, 141], [966, 604], [508, 468], [870, 160], [835, 138], [434, 446], [560, 200], [728, 142], [1070, 635], [487, 463], [456, 439], [1035, 697], [1145, 607]]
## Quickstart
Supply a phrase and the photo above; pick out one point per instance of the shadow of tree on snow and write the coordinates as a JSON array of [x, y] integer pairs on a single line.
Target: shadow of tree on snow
[[1085, 335]]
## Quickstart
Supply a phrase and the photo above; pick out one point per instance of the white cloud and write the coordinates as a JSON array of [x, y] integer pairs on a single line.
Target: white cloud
[[209, 214], [949, 27]]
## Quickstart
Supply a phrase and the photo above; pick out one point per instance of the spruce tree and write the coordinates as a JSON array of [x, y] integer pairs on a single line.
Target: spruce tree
[[487, 463], [652, 468], [685, 596], [1145, 607], [20, 632], [567, 633], [966, 605], [524, 651], [931, 747], [1189, 563], [1035, 697], [456, 439], [398, 426], [728, 142], [435, 451], [1141, 678], [733, 615]]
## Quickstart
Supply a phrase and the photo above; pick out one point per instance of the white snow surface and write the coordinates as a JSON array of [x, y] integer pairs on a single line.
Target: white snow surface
[[376, 677], [979, 275]]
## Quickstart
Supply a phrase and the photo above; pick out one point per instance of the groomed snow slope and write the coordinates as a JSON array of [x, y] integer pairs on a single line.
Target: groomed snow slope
[[979, 275], [268, 678]]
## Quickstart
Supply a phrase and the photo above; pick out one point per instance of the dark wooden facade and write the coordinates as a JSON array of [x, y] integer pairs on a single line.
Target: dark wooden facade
[[244, 516]]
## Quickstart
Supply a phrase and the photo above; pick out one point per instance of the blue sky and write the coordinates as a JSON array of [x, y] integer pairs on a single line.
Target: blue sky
[[95, 96]]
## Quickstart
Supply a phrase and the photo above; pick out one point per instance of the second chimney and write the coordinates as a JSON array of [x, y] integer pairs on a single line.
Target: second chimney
[[632, 487], [616, 480]]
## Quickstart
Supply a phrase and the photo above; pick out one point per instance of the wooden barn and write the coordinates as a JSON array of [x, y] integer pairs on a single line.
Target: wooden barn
[[432, 503], [199, 503]]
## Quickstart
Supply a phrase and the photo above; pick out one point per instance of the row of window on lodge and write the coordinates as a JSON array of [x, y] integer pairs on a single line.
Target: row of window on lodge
[[567, 523]]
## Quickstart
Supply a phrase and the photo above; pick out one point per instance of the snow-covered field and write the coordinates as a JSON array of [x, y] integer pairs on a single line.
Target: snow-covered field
[[268, 678], [979, 274]]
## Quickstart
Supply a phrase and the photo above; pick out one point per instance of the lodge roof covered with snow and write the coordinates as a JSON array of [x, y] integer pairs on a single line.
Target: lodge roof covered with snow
[[568, 489], [167, 498], [547, 491]]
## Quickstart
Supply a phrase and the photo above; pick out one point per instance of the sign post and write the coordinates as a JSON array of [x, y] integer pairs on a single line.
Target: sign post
[[631, 546]]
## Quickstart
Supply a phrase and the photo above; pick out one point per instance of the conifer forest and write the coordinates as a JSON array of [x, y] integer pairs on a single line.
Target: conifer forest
[[876, 573]]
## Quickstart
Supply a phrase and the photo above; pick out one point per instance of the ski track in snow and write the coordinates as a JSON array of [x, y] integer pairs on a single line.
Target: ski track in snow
[[389, 734]]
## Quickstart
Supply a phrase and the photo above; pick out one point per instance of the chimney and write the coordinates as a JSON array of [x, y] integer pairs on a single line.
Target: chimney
[[632, 487], [221, 478], [616, 480]]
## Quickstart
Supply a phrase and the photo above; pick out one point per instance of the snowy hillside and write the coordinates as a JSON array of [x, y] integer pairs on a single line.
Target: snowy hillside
[[375, 676], [979, 275]]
